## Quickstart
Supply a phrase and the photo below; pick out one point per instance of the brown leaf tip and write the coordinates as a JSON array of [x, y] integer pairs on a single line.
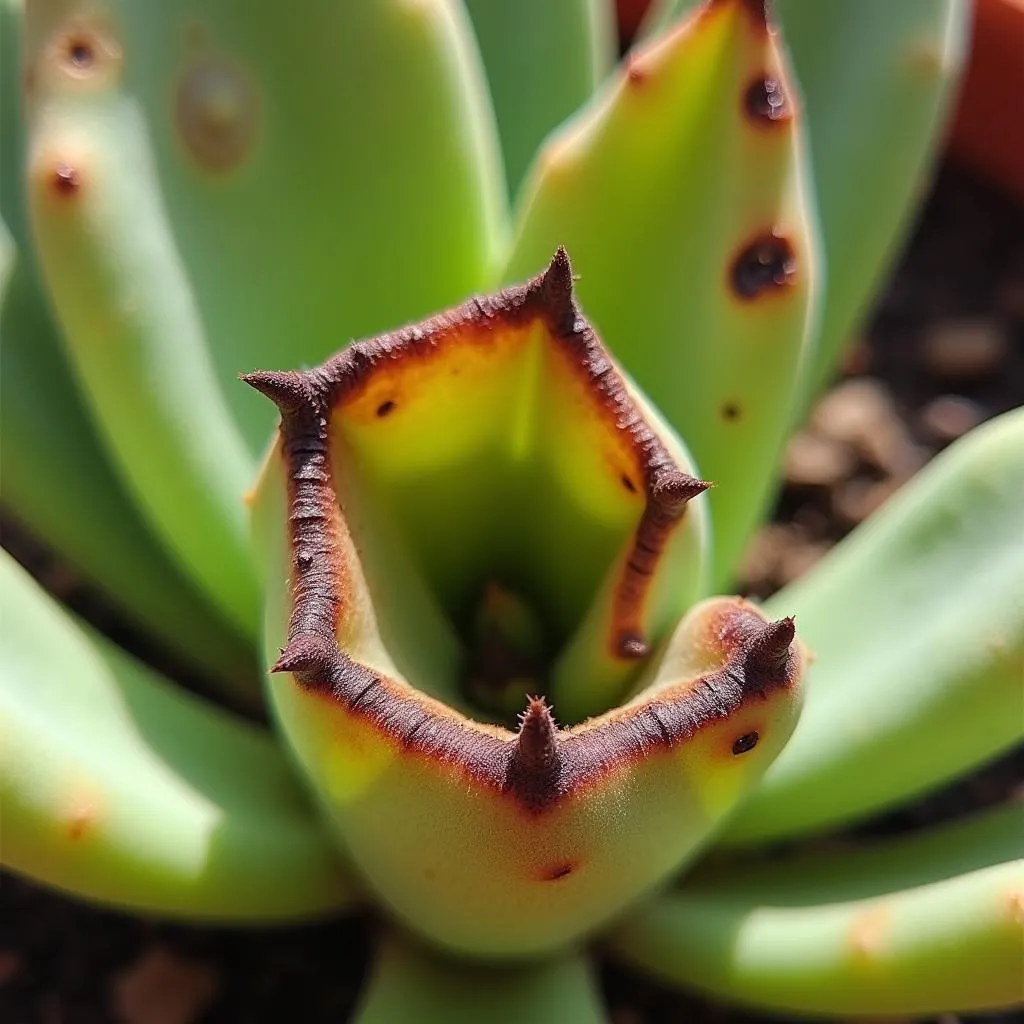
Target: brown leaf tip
[[306, 652], [673, 490], [535, 763], [769, 649], [554, 290], [287, 389]]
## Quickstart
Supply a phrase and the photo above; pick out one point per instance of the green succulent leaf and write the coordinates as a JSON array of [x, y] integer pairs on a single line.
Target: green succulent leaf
[[543, 61], [502, 426], [211, 186], [873, 124], [58, 483], [922, 924], [916, 627], [118, 787], [56, 479], [679, 192], [409, 983]]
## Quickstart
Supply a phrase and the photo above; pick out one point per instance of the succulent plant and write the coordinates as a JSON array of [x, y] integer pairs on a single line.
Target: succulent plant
[[507, 705]]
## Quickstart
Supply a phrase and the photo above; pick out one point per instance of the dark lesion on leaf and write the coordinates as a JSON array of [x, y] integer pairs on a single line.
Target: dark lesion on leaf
[[764, 265], [80, 52], [66, 181], [539, 764], [766, 102], [745, 743]]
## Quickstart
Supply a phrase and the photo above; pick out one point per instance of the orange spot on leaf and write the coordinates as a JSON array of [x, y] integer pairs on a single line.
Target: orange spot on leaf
[[868, 931], [1015, 904]]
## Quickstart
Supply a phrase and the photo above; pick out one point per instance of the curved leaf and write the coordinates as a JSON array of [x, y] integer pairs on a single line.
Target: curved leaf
[[679, 193], [923, 924], [118, 787], [56, 479], [916, 627], [214, 186]]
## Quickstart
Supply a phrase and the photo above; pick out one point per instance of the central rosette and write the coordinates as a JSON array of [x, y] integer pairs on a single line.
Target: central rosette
[[478, 507]]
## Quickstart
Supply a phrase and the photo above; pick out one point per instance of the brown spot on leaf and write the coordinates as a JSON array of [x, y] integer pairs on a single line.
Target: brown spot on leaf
[[765, 265], [632, 646], [765, 101], [636, 73], [556, 872], [730, 411], [86, 51], [744, 743], [216, 110], [65, 181], [80, 53]]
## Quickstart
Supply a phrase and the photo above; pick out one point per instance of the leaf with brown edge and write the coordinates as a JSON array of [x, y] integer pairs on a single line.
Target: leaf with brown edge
[[499, 434]]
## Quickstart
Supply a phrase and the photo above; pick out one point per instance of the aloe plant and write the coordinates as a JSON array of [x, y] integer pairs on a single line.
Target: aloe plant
[[479, 555]]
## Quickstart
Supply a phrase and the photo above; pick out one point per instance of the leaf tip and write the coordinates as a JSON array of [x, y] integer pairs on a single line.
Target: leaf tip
[[534, 765], [285, 388], [306, 652], [770, 647], [555, 293]]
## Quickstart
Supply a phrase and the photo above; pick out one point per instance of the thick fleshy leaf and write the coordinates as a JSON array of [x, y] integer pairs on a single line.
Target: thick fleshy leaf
[[502, 426], [118, 787], [916, 624], [923, 924], [876, 79], [213, 185], [56, 479], [679, 192], [543, 60], [58, 483], [411, 984]]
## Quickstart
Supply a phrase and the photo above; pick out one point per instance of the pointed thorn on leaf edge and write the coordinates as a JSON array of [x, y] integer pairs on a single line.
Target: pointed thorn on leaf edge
[[536, 751], [303, 654], [769, 650], [555, 288], [673, 489], [285, 388]]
